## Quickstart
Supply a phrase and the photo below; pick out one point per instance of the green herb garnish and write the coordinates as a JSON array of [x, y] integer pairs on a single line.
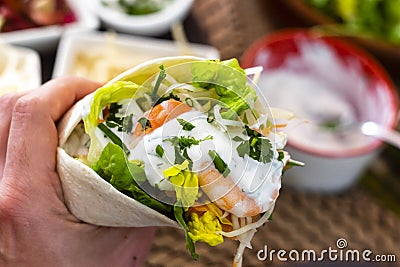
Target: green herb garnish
[[187, 126], [182, 143], [331, 124], [219, 163], [159, 151], [257, 146], [113, 111], [123, 124], [145, 123], [113, 137], [160, 78]]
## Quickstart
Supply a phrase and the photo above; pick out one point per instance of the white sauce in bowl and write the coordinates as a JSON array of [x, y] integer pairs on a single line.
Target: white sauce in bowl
[[326, 96], [19, 69]]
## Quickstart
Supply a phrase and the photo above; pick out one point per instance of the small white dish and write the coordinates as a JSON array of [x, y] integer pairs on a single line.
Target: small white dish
[[46, 37], [19, 69], [101, 56], [152, 24]]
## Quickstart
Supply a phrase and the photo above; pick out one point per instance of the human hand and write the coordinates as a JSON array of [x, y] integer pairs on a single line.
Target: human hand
[[36, 228]]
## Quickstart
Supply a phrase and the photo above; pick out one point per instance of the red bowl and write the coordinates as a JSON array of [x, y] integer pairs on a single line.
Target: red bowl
[[305, 14], [282, 44]]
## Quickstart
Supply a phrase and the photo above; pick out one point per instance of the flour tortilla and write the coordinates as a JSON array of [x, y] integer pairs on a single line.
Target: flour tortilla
[[88, 196]]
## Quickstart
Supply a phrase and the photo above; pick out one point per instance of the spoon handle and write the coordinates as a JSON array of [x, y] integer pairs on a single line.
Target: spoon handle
[[388, 135]]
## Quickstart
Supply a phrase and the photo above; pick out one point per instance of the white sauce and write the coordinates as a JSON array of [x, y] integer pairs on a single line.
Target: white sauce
[[128, 107], [19, 69], [258, 180], [315, 86]]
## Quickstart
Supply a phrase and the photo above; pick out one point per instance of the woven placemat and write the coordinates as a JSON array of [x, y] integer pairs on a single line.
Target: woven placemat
[[232, 25], [301, 221]]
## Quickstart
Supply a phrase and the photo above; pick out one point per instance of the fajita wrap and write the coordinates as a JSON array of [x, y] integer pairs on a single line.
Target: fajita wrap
[[182, 142]]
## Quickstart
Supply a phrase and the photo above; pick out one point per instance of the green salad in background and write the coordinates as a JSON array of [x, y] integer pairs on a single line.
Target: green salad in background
[[367, 18], [137, 7]]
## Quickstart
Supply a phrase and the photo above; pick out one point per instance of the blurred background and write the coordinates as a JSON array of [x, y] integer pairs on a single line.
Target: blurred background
[[42, 39]]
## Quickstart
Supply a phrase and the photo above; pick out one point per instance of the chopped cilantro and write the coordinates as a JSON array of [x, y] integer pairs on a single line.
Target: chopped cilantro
[[182, 143], [145, 123], [113, 111], [243, 148], [257, 146], [123, 124], [187, 126], [159, 150]]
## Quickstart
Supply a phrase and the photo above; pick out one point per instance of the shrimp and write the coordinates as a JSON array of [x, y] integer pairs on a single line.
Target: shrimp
[[160, 114], [226, 194]]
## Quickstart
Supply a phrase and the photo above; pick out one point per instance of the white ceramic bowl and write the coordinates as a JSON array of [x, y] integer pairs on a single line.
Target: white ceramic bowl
[[101, 56], [152, 24], [45, 38], [331, 164]]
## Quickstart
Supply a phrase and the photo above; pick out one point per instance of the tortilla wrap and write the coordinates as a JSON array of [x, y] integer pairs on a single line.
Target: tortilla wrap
[[231, 196], [88, 196]]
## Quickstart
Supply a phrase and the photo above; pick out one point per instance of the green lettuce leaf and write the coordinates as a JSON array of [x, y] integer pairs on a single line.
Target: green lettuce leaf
[[179, 212], [114, 167], [230, 83], [185, 182], [109, 94]]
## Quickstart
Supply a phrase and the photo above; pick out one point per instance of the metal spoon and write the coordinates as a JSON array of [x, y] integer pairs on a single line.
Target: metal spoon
[[385, 134]]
